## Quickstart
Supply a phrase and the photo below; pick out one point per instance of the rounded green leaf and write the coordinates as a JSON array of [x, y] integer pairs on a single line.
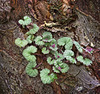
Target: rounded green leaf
[[44, 50], [30, 71], [80, 58], [27, 53], [47, 37], [21, 22], [78, 46], [53, 45], [62, 41], [50, 61], [72, 60], [53, 76], [33, 30], [53, 42], [64, 68], [67, 41], [59, 56], [27, 20], [60, 66], [38, 40], [68, 53], [30, 38], [45, 78], [21, 43], [53, 48], [56, 70], [85, 61]]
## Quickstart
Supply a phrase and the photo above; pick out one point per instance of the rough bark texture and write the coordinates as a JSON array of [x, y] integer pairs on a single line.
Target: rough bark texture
[[90, 7], [14, 80]]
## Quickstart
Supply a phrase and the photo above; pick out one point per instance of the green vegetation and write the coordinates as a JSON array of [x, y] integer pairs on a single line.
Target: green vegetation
[[44, 50], [21, 43], [47, 79], [26, 21], [50, 48], [29, 69], [85, 61]]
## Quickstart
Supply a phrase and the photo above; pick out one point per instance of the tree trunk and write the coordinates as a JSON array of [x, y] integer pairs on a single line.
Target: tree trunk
[[84, 28]]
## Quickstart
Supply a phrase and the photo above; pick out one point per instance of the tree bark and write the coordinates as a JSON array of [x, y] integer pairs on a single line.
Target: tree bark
[[13, 79], [90, 7]]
